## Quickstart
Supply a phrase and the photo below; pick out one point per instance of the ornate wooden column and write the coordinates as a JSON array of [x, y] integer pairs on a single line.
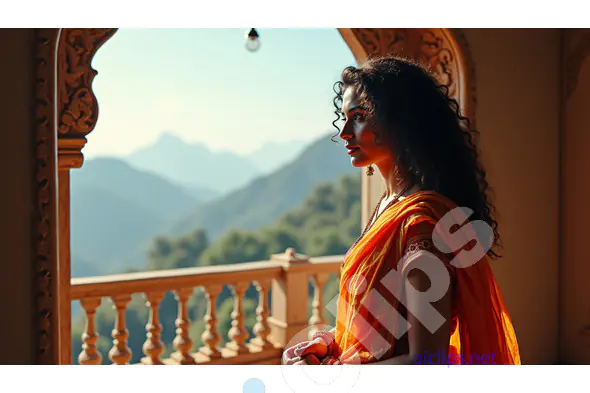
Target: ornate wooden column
[[77, 110], [45, 210], [65, 113]]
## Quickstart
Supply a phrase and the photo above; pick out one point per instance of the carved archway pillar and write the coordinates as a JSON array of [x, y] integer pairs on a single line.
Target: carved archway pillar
[[77, 109], [447, 54], [66, 104], [45, 263]]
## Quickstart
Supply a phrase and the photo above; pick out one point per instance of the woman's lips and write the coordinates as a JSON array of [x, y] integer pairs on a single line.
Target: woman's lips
[[352, 150]]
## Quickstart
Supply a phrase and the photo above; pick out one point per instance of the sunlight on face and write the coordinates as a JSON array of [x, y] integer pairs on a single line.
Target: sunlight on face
[[359, 133]]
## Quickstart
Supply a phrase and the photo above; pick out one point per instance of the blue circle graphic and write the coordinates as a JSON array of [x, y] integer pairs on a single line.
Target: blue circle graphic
[[253, 385]]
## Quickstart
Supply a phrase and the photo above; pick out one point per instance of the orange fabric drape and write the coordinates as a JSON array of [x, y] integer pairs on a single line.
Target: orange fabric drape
[[369, 318]]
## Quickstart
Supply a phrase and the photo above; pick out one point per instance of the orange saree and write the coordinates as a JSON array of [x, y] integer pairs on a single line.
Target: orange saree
[[371, 315]]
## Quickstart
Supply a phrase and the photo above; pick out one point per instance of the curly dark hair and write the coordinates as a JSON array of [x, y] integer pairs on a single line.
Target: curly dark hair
[[433, 143]]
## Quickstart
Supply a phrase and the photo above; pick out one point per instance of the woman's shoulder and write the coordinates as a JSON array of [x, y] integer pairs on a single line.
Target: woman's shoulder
[[421, 226], [434, 199], [426, 208]]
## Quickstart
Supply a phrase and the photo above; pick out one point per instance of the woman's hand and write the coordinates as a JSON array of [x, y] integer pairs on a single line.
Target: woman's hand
[[315, 347], [307, 352]]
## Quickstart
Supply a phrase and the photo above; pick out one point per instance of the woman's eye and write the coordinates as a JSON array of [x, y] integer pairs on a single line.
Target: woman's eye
[[355, 117], [358, 117]]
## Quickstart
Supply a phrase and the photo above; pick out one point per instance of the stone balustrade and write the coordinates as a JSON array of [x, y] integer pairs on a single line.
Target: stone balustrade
[[285, 276]]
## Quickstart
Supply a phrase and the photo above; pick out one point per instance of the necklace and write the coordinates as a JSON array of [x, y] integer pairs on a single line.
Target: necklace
[[371, 222]]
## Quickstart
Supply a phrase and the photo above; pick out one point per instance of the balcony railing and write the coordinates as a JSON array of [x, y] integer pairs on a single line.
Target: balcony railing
[[287, 274]]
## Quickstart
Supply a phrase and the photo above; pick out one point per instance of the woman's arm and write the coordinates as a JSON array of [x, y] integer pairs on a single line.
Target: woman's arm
[[423, 343]]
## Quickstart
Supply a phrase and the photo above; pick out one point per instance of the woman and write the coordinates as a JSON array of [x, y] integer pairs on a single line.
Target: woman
[[416, 287]]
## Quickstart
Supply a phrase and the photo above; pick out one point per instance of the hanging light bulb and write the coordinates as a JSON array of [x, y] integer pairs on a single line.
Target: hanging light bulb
[[252, 40]]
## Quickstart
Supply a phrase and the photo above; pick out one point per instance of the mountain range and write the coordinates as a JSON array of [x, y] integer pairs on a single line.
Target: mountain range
[[193, 165], [118, 205], [114, 207]]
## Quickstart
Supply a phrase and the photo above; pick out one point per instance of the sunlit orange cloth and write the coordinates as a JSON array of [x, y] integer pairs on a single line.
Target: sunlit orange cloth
[[481, 324]]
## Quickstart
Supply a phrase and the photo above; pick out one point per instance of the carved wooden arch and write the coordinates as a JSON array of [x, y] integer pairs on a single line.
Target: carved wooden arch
[[66, 111], [77, 104]]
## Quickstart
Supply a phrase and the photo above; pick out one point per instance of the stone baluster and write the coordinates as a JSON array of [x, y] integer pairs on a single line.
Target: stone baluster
[[120, 352], [238, 333], [182, 342], [153, 346], [210, 338], [317, 310], [90, 354], [261, 329]]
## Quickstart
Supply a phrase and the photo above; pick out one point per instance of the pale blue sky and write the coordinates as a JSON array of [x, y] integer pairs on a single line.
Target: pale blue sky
[[203, 85]]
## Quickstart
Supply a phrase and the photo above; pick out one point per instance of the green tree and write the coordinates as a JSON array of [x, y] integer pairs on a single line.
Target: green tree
[[322, 199], [278, 239], [328, 241], [351, 226], [320, 221], [182, 252], [348, 193], [236, 246], [161, 247]]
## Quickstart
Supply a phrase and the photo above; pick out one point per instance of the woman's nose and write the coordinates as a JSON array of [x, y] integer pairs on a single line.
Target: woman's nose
[[345, 132]]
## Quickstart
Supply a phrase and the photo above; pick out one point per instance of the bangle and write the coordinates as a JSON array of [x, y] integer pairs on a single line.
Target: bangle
[[328, 339]]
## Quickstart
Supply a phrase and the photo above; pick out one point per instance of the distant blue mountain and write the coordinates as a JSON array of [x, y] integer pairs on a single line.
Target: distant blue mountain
[[144, 189], [114, 208], [194, 165], [104, 226]]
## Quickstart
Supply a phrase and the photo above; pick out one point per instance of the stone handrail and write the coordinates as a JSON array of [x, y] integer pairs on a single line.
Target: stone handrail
[[169, 280]]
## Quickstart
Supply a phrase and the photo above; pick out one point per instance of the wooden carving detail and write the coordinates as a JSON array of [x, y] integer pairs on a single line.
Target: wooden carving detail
[[445, 52], [45, 222], [381, 41], [466, 88], [434, 52], [574, 59], [77, 105]]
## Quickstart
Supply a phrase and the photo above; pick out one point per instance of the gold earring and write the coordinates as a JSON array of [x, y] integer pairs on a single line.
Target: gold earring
[[370, 170]]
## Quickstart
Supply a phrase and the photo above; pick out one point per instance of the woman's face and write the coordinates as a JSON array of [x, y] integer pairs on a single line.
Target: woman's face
[[359, 133]]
